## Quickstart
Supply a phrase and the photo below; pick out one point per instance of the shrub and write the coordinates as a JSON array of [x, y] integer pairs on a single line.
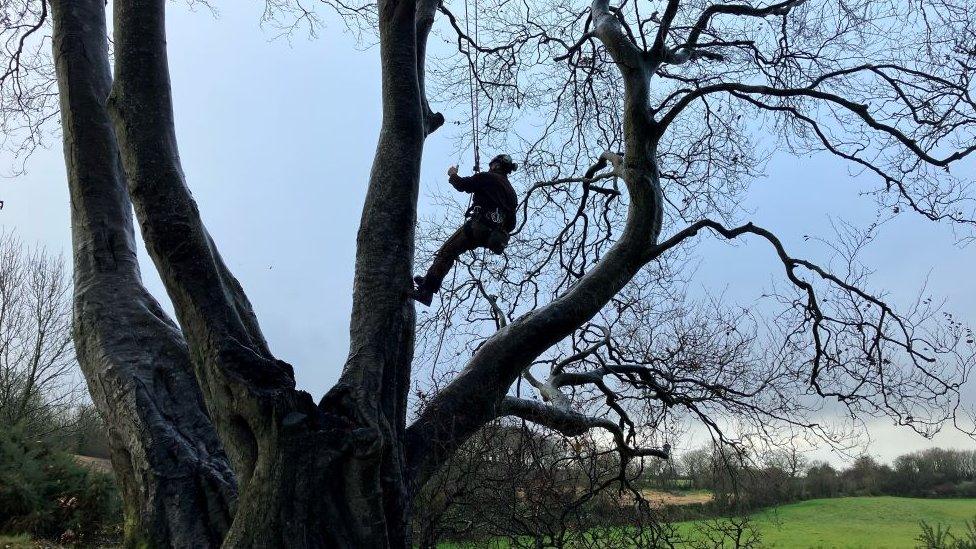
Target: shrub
[[939, 537], [966, 489], [45, 493]]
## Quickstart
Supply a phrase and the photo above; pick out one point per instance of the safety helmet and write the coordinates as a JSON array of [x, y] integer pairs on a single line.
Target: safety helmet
[[505, 161]]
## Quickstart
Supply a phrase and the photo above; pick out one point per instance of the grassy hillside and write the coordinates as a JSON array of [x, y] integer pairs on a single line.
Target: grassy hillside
[[851, 523], [842, 523]]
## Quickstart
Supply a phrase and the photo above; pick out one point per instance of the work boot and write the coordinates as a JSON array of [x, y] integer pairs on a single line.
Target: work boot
[[421, 294]]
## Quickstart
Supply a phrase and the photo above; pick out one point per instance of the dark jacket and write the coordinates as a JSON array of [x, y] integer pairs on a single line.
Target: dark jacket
[[491, 191]]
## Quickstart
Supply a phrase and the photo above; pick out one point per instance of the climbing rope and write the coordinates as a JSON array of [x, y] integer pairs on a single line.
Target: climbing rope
[[476, 144], [472, 82], [447, 318]]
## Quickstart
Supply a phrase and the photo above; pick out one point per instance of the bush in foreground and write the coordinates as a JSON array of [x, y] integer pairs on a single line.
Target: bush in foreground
[[45, 493], [940, 537]]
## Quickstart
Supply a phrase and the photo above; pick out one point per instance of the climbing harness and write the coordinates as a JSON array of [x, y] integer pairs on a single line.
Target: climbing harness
[[488, 225]]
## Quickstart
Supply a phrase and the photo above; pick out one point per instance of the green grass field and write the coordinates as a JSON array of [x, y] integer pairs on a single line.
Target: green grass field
[[842, 523], [854, 523], [16, 542]]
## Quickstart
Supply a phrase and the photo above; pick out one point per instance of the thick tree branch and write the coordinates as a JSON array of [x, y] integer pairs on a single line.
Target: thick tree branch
[[472, 398], [216, 316], [573, 424], [659, 48], [372, 391], [262, 421], [177, 483], [626, 54]]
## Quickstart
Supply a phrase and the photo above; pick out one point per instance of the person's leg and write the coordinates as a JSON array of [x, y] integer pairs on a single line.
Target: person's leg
[[444, 259]]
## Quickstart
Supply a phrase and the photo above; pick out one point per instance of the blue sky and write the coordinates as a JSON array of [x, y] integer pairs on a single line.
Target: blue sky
[[277, 139]]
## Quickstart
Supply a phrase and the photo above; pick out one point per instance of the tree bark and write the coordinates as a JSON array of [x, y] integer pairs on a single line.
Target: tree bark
[[177, 486], [375, 382], [336, 474], [272, 433], [310, 476]]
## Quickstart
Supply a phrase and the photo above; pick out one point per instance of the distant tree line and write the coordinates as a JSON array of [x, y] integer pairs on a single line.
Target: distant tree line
[[533, 488], [536, 488], [787, 476]]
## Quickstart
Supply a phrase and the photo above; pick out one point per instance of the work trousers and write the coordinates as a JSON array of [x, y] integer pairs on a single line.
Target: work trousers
[[470, 236]]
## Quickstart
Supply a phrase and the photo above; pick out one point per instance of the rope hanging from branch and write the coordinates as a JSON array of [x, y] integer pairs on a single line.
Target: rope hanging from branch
[[473, 80]]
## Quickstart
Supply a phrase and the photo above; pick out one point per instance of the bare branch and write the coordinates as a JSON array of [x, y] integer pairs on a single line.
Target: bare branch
[[574, 424]]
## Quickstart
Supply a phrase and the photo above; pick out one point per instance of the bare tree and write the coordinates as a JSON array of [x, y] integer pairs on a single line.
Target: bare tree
[[664, 102], [28, 87], [37, 376], [538, 488]]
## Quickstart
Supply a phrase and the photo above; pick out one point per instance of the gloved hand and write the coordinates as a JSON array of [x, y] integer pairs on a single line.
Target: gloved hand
[[453, 170]]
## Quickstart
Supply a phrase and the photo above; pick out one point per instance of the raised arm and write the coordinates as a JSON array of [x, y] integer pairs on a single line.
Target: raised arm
[[463, 184]]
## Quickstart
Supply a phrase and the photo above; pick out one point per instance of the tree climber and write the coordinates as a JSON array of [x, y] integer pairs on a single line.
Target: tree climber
[[490, 219]]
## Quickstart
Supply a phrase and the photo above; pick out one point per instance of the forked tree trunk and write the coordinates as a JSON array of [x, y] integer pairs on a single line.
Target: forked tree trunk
[[312, 476], [326, 475], [340, 473], [177, 486]]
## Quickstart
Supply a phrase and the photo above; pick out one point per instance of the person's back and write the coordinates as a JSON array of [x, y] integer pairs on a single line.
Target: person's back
[[490, 219], [491, 192]]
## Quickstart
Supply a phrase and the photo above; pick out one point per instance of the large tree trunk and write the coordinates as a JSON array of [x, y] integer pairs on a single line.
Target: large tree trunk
[[327, 475], [336, 474], [176, 482], [373, 389]]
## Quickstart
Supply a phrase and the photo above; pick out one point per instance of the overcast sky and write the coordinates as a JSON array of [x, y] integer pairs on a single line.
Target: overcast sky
[[277, 140]]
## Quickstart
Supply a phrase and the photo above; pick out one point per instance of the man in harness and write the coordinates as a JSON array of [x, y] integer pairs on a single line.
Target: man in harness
[[490, 219]]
